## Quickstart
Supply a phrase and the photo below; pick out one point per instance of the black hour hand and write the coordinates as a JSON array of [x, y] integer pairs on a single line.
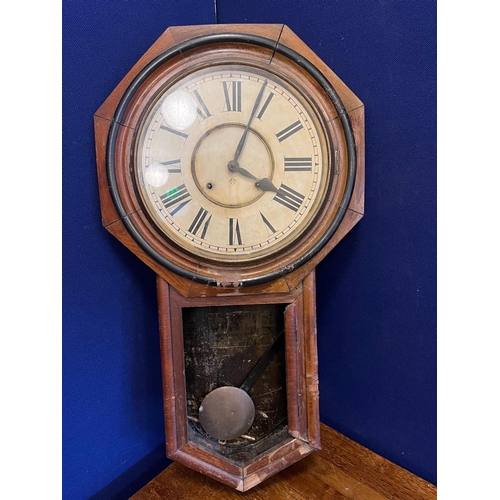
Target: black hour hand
[[266, 185]]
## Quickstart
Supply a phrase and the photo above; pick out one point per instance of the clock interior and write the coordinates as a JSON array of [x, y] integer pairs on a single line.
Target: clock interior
[[222, 345]]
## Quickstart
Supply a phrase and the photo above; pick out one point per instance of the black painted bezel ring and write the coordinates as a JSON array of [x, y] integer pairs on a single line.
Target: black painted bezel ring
[[276, 47]]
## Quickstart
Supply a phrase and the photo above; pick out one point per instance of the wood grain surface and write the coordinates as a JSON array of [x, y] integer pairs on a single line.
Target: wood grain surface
[[343, 469], [278, 447]]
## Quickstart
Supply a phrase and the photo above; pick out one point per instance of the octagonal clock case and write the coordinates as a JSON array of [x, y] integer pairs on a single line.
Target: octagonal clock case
[[231, 162]]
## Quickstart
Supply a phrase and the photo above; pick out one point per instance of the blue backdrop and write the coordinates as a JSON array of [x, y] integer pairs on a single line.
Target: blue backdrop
[[376, 290]]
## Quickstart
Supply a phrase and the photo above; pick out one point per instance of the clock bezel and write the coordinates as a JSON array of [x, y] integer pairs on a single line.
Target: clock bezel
[[180, 261]]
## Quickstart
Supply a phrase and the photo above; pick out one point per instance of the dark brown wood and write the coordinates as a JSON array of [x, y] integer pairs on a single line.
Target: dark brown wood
[[342, 470], [239, 467], [300, 334], [169, 365], [311, 360]]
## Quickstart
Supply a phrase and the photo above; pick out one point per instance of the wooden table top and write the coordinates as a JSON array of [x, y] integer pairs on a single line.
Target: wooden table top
[[342, 469]]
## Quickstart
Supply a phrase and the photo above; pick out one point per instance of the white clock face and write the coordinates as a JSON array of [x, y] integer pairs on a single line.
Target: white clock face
[[231, 163]]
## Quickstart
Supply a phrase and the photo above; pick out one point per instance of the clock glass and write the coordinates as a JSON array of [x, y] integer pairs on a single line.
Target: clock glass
[[222, 345], [231, 162]]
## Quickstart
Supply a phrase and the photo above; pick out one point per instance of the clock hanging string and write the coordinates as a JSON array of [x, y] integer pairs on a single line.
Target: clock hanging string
[[215, 12]]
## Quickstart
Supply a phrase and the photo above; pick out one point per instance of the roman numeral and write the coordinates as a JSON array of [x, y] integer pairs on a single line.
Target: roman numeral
[[288, 131], [182, 135], [289, 198], [201, 221], [174, 166], [232, 95], [203, 112], [298, 164], [267, 223], [176, 198], [265, 105], [234, 232]]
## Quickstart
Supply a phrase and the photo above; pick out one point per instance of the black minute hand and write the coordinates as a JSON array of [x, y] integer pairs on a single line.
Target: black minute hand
[[245, 132]]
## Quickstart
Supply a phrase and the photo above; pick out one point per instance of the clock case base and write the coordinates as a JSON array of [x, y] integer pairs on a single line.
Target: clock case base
[[287, 443]]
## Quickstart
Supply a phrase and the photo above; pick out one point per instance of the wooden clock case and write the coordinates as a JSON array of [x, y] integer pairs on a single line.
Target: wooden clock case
[[284, 281]]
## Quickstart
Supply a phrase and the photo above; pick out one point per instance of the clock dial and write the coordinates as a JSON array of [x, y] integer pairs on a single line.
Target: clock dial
[[231, 162]]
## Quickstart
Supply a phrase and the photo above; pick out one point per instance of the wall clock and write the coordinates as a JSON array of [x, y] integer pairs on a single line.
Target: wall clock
[[231, 161]]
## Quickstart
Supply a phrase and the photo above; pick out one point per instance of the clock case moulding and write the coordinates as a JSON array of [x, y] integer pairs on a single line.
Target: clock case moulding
[[285, 279]]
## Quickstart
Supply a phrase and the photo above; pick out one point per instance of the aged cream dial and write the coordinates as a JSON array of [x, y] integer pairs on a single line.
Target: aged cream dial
[[231, 162]]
